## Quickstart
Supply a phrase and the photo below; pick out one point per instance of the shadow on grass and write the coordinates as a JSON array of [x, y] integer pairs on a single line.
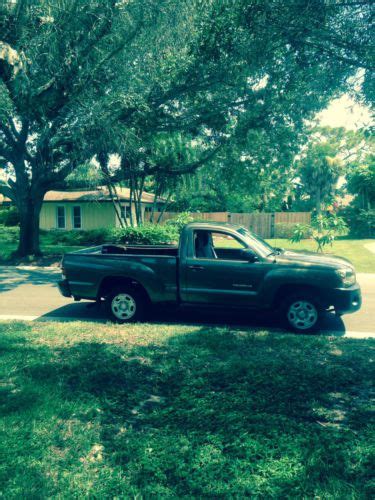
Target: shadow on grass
[[87, 311], [213, 412]]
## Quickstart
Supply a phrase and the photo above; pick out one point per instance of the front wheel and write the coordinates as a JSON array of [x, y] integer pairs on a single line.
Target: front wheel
[[302, 313], [125, 305]]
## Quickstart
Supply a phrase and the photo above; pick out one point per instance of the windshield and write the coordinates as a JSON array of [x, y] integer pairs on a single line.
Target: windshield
[[255, 242]]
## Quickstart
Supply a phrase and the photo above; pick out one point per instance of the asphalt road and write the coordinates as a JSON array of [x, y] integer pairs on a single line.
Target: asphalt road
[[31, 294]]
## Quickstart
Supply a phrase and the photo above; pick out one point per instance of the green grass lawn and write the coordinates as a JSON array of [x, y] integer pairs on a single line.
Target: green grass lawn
[[354, 250], [106, 411]]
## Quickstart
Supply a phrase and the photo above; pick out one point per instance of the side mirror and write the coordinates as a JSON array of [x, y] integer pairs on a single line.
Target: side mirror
[[249, 255]]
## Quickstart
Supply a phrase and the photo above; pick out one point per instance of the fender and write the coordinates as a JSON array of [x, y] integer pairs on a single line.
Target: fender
[[291, 277]]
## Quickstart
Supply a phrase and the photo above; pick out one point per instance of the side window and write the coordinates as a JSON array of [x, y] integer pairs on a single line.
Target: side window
[[125, 212], [60, 218], [224, 240], [77, 219], [217, 245]]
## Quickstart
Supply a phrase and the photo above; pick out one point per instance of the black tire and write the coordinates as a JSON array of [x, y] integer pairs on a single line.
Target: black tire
[[302, 313], [130, 306]]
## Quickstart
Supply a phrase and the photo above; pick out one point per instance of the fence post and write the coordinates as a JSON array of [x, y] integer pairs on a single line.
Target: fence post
[[229, 217], [272, 225]]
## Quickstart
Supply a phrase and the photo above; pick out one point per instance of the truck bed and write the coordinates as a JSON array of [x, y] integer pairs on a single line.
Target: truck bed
[[154, 266]]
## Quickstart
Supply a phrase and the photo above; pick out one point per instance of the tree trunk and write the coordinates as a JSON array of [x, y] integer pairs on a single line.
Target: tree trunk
[[139, 194], [103, 159], [164, 208], [156, 196], [131, 184], [29, 210], [318, 202], [116, 203]]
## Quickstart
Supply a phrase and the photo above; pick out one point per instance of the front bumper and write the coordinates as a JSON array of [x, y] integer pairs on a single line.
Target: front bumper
[[64, 288], [347, 300]]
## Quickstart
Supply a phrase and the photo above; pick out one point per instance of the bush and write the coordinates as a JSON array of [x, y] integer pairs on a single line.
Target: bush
[[323, 230], [77, 238], [285, 229], [95, 236], [9, 216], [55, 237], [361, 222], [9, 234], [148, 234], [180, 221]]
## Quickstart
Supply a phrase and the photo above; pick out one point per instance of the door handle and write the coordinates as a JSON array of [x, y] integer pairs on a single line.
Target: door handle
[[196, 268]]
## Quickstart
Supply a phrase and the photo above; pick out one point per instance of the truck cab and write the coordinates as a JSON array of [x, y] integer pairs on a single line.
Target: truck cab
[[222, 265]]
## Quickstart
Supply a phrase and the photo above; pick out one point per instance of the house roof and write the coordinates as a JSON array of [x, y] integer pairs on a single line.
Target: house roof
[[100, 194]]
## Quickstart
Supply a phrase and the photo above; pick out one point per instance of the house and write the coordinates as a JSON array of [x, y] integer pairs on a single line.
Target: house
[[90, 209]]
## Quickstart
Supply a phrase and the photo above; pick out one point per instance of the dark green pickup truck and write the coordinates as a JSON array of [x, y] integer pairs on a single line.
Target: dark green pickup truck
[[218, 265]]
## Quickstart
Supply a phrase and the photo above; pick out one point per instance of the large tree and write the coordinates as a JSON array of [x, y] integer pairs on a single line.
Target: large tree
[[289, 69], [361, 183], [319, 171], [57, 68], [79, 79], [329, 154]]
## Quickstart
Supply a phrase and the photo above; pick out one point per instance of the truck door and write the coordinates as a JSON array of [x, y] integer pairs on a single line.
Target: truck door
[[220, 272]]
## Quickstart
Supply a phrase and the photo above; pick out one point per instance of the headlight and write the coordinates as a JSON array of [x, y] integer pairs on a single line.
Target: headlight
[[346, 275]]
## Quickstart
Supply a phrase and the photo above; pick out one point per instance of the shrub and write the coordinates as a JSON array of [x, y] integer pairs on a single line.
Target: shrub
[[95, 236], [361, 222], [9, 234], [55, 237], [148, 234], [9, 216], [180, 221], [285, 229], [77, 238], [323, 230]]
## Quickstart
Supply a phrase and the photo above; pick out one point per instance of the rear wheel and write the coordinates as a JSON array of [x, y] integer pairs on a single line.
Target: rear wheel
[[302, 313], [125, 305]]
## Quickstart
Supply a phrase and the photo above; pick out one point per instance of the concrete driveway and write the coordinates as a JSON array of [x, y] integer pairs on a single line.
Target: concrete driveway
[[28, 293]]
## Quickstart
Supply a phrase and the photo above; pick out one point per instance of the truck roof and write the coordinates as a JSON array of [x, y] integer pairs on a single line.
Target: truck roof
[[213, 225]]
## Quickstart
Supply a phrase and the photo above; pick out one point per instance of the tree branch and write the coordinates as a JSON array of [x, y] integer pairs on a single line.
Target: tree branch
[[8, 135], [189, 167]]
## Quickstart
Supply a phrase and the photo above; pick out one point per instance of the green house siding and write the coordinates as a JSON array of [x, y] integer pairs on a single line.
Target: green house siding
[[93, 215]]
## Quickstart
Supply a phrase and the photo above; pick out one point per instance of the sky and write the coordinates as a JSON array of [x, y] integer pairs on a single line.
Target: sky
[[345, 112]]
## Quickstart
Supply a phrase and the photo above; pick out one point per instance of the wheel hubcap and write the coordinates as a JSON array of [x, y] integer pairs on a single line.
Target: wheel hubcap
[[302, 314], [123, 306]]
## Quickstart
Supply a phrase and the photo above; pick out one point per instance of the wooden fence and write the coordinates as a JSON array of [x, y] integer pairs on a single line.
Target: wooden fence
[[267, 225]]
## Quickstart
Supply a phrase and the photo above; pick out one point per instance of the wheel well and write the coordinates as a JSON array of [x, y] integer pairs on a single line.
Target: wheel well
[[111, 282], [286, 290]]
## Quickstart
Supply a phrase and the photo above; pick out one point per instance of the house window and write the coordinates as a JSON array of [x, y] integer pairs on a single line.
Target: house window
[[77, 219], [60, 218], [148, 210], [125, 211]]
